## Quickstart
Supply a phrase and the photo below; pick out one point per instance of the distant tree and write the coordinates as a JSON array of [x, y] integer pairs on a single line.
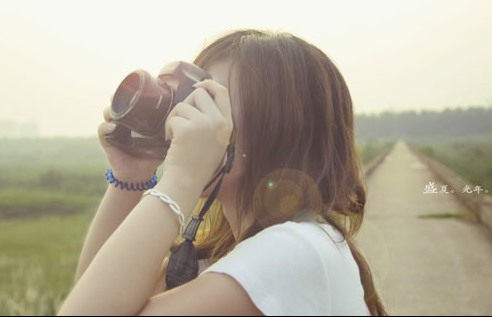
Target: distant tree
[[411, 124]]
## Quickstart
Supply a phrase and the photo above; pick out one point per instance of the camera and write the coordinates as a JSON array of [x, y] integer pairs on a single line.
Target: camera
[[141, 104]]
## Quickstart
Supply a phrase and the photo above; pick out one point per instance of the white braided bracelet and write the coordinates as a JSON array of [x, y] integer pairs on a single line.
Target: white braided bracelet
[[172, 204]]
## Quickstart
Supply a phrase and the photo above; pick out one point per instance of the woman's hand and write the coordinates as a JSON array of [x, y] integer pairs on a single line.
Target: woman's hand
[[200, 128], [126, 168]]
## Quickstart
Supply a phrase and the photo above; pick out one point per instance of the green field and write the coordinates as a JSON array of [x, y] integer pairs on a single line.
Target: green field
[[37, 262], [471, 157], [49, 190]]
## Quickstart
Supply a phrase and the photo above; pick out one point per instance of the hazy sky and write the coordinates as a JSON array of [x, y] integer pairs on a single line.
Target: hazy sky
[[61, 60]]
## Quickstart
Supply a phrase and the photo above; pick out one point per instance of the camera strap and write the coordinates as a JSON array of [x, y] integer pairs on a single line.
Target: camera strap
[[183, 261]]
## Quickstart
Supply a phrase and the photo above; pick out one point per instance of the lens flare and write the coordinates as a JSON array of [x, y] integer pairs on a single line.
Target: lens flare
[[284, 192]]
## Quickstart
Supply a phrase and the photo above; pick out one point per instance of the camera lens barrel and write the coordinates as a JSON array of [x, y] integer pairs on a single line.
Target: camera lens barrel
[[141, 104]]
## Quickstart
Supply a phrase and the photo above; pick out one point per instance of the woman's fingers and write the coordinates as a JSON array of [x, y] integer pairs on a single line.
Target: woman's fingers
[[202, 101], [181, 110], [104, 129], [106, 114], [209, 103], [184, 110], [219, 93], [174, 124]]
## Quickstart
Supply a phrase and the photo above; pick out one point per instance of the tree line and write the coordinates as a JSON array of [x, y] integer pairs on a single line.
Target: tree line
[[459, 122]]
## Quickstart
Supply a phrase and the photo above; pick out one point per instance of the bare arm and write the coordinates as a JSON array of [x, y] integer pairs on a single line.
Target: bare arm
[[122, 276], [116, 203], [114, 208]]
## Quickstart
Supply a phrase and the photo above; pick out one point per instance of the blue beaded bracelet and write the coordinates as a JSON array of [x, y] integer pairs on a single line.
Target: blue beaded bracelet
[[130, 186]]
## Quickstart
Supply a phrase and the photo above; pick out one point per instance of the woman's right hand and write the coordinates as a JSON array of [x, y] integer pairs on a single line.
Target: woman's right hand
[[126, 168]]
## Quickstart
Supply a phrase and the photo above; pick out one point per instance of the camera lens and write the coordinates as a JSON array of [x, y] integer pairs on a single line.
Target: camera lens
[[141, 104], [127, 94]]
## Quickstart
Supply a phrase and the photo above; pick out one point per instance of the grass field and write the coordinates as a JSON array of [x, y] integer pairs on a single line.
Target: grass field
[[37, 262], [49, 190], [471, 158]]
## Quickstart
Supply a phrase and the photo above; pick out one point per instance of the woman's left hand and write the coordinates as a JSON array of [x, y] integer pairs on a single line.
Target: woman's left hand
[[199, 128]]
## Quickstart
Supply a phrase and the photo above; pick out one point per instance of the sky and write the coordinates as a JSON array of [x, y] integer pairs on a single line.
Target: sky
[[60, 61]]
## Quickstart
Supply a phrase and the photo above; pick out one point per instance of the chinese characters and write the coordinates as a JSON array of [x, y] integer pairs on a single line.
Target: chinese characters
[[432, 188]]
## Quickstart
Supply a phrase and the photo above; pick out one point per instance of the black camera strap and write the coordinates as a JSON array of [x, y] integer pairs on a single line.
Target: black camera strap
[[183, 262]]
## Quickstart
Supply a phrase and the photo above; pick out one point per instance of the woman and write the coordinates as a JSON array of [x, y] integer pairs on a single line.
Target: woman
[[281, 243]]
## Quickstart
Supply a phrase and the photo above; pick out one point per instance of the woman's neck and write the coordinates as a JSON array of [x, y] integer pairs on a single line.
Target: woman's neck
[[238, 224]]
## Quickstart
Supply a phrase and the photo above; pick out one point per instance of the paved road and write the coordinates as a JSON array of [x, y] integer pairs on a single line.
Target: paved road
[[423, 266]]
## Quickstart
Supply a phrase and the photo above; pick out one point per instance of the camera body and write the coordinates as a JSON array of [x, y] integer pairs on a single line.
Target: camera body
[[141, 104]]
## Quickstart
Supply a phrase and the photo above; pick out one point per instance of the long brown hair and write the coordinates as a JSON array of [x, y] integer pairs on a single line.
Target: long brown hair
[[298, 124]]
